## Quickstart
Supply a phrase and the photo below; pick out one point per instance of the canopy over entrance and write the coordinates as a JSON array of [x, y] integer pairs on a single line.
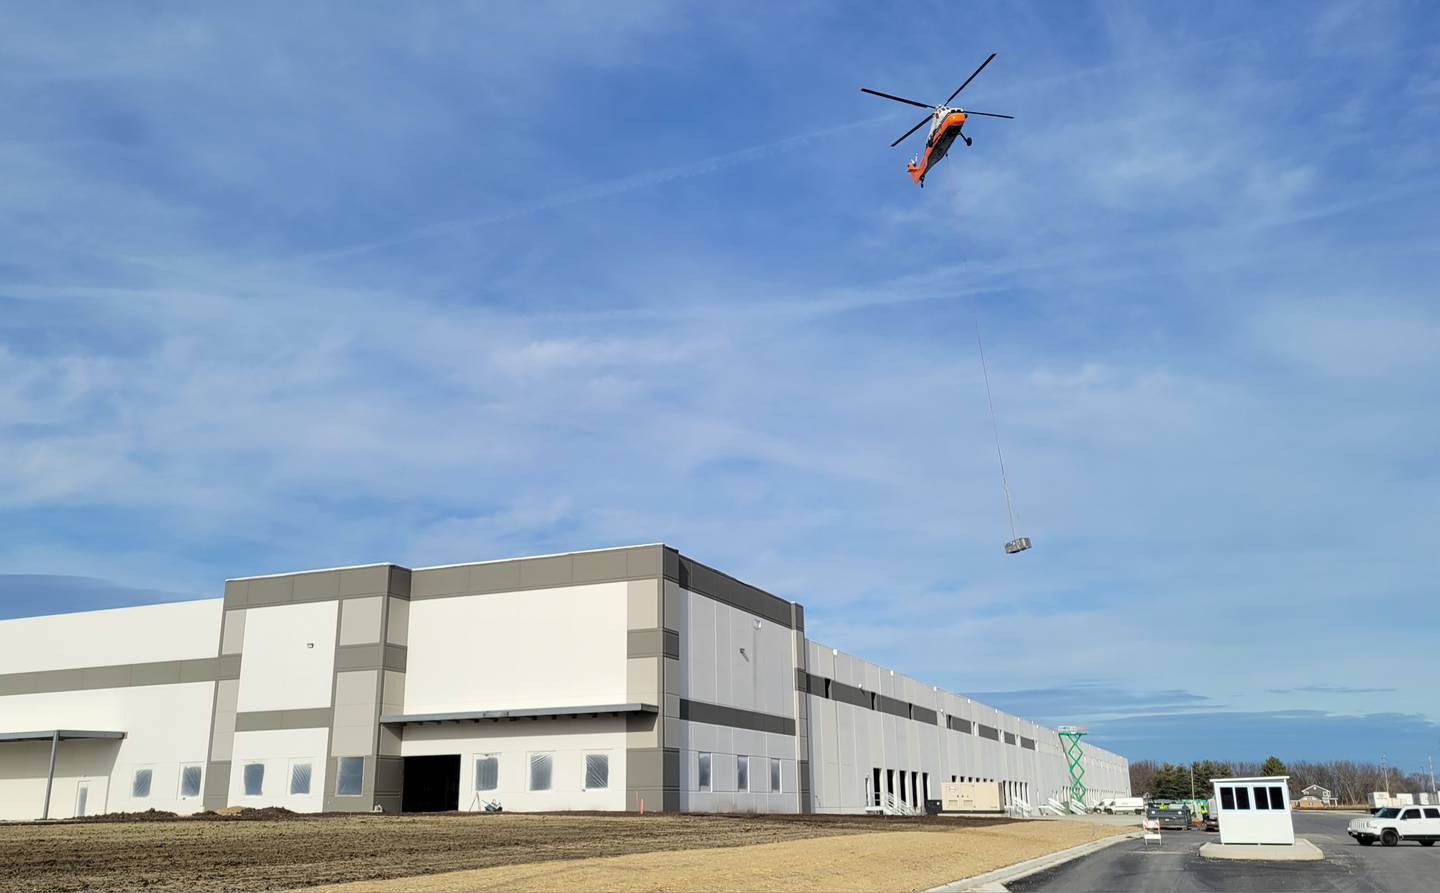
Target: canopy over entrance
[[55, 736]]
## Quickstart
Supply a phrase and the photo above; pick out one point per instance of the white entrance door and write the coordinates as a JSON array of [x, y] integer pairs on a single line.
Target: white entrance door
[[82, 797]]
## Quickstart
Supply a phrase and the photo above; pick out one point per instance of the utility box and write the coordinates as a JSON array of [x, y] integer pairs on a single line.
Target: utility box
[[1255, 810], [970, 796], [1404, 799]]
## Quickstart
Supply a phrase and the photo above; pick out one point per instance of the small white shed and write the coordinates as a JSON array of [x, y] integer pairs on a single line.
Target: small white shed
[[1254, 810]]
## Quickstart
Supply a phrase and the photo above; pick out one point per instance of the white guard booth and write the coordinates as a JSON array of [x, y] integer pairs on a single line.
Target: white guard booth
[[1254, 810]]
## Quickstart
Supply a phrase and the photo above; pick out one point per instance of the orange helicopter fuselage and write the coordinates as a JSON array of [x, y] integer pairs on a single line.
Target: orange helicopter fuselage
[[942, 134]]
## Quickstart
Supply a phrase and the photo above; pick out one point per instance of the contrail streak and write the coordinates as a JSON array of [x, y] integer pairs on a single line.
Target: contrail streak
[[586, 194]]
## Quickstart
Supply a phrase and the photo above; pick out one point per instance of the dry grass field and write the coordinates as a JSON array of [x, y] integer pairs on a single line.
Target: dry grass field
[[514, 851]]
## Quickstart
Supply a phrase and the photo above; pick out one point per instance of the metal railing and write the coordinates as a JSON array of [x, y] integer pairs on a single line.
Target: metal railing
[[889, 804]]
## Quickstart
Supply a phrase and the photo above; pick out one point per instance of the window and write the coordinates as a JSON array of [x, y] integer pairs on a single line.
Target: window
[[774, 775], [702, 778], [190, 781], [1277, 798], [1432, 813], [597, 771], [487, 771], [540, 770], [140, 786], [1242, 798], [299, 778], [1410, 814], [1227, 798], [350, 777], [1261, 800], [742, 773], [254, 777]]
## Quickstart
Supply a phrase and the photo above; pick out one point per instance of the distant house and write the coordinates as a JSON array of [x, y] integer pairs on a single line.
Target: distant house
[[1314, 796]]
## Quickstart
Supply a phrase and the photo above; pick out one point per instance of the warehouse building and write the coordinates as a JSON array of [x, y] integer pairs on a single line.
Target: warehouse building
[[619, 679]]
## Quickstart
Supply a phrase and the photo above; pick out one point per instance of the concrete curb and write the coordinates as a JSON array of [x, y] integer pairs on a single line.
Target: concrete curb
[[996, 880]]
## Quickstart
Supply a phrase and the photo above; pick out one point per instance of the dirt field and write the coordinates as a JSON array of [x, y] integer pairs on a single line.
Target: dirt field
[[196, 854], [882, 861]]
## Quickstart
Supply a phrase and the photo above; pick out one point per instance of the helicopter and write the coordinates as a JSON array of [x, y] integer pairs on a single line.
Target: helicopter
[[945, 125]]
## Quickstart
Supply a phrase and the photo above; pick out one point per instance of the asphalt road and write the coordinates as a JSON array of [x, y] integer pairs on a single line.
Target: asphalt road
[[1176, 865]]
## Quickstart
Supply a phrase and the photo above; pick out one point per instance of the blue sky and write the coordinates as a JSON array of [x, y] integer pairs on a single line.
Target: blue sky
[[286, 287]]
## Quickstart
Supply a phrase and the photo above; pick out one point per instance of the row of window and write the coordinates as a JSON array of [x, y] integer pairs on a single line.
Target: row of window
[[1234, 797], [143, 780], [542, 771], [742, 774], [349, 779]]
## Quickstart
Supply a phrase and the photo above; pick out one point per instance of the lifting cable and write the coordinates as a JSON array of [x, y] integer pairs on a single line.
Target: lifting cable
[[994, 427]]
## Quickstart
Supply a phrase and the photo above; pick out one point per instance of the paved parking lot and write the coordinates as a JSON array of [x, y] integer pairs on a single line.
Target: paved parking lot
[[1176, 865]]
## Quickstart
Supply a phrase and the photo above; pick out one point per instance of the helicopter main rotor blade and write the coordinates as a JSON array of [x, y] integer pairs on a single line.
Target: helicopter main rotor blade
[[989, 114], [968, 80], [923, 105], [923, 122]]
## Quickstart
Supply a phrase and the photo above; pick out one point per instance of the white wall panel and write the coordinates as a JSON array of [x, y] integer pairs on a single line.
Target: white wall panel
[[278, 750], [538, 648], [144, 634], [289, 656], [165, 726]]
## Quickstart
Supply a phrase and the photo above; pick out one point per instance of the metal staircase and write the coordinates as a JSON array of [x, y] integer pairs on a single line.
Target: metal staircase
[[889, 804]]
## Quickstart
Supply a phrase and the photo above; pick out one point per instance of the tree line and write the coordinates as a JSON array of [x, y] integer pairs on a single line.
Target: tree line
[[1347, 780]]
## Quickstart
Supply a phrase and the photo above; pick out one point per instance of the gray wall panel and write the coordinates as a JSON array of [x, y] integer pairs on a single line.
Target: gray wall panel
[[315, 587], [270, 720]]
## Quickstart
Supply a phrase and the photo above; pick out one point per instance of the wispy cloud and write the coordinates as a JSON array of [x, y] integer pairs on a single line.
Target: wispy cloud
[[1329, 690]]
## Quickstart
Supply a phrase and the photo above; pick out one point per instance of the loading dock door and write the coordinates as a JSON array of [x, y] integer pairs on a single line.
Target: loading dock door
[[431, 784]]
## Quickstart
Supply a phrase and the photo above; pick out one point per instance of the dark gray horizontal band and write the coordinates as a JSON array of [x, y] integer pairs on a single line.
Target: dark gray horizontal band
[[990, 732], [575, 569], [62, 734], [1027, 743], [707, 581], [735, 717], [517, 713], [272, 720], [892, 706], [317, 586], [167, 672], [652, 643], [850, 694], [373, 656], [858, 697]]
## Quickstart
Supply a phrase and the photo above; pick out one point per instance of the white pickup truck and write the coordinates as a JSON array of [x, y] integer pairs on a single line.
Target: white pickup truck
[[1396, 823]]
